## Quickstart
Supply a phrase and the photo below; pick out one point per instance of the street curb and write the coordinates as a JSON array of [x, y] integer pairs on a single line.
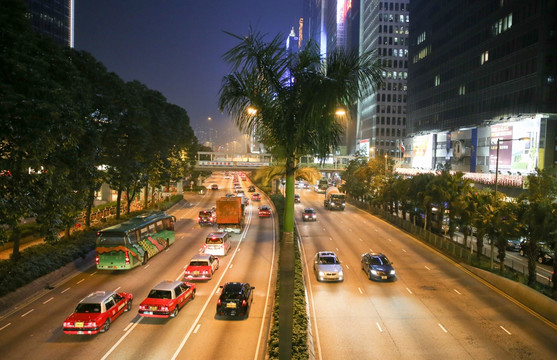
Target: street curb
[[16, 299], [532, 299]]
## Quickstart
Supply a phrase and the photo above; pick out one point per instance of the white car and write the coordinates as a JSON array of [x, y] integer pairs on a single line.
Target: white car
[[327, 267]]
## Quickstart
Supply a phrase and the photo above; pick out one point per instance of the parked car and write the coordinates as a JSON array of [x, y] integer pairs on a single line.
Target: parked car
[[327, 267], [96, 312], [166, 299], [264, 211], [378, 267], [513, 244], [309, 215], [235, 299], [256, 197], [202, 267], [545, 253], [251, 188], [214, 187]]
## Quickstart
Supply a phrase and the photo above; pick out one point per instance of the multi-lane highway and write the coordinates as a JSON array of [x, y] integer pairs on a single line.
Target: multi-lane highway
[[434, 310], [34, 331]]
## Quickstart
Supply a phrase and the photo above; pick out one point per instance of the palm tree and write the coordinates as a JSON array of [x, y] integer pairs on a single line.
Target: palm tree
[[288, 101]]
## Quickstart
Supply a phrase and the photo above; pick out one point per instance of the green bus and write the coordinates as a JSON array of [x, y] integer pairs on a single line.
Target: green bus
[[133, 242]]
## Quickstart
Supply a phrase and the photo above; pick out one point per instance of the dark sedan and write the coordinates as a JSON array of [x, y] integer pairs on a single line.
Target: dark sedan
[[378, 267], [235, 299]]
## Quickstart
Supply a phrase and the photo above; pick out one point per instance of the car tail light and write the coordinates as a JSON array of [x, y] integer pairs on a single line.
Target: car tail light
[[127, 258], [97, 260], [219, 303], [244, 303], [199, 218], [67, 324]]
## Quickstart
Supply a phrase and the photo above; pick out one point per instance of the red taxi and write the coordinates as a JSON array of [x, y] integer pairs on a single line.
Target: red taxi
[[264, 211], [166, 299], [256, 197], [201, 267], [95, 312]]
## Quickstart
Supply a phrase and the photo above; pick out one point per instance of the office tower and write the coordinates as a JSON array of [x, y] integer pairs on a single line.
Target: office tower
[[381, 123], [482, 76], [53, 18]]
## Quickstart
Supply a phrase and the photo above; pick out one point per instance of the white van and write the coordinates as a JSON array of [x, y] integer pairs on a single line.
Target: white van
[[217, 243]]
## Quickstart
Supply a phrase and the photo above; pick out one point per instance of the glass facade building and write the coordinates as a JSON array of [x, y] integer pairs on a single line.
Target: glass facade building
[[482, 72], [53, 18], [381, 118]]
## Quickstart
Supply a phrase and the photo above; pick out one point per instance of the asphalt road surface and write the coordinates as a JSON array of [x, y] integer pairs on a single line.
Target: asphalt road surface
[[434, 310], [34, 330]]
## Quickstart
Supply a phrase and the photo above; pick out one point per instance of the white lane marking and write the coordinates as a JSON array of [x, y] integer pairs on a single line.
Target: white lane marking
[[442, 328], [93, 273], [197, 328], [330, 238], [63, 291], [127, 327], [404, 250], [185, 266], [44, 302], [216, 289], [360, 290], [427, 268], [361, 239], [80, 281], [379, 327], [337, 249], [122, 339], [389, 239], [323, 229], [28, 312], [456, 291], [239, 248], [410, 291], [347, 267], [370, 250], [118, 288], [230, 266], [5, 326], [505, 330], [349, 229], [146, 266]]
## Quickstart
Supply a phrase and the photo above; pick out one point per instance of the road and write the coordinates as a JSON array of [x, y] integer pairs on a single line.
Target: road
[[34, 330], [434, 310]]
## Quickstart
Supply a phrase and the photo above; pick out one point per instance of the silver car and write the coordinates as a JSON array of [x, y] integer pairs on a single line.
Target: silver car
[[327, 267]]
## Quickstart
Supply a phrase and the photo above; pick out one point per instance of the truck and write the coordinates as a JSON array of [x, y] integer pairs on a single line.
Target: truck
[[334, 199], [322, 185], [230, 214]]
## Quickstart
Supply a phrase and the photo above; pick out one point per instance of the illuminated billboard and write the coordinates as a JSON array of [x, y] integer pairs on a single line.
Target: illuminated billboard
[[422, 151], [363, 147], [518, 146]]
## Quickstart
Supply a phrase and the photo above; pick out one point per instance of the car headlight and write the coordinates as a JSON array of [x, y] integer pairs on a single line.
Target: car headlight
[[374, 272], [321, 273], [392, 272], [340, 273]]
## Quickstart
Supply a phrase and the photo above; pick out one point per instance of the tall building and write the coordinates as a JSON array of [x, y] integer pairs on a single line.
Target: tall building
[[381, 120], [482, 79], [53, 18]]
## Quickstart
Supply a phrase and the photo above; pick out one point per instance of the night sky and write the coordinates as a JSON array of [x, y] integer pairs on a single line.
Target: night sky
[[176, 46]]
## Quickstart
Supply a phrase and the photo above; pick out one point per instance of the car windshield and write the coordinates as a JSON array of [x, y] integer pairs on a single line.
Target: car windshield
[[160, 294], [199, 263], [233, 291], [328, 260], [379, 260], [88, 308], [308, 211]]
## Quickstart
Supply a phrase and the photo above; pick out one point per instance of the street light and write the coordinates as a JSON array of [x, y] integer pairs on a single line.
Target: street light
[[499, 141], [385, 164]]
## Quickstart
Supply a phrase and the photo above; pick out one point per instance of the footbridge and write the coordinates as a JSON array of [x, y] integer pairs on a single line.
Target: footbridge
[[252, 161]]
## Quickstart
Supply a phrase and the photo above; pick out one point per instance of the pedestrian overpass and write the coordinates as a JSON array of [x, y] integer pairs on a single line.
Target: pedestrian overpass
[[212, 161]]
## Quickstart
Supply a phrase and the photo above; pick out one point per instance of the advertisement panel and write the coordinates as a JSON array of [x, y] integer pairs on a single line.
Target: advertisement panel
[[518, 146], [422, 151], [363, 147]]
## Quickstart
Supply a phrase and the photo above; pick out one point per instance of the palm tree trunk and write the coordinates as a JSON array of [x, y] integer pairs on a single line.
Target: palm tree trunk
[[286, 267]]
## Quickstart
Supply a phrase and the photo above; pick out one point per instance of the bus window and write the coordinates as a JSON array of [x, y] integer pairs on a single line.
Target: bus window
[[152, 229], [132, 235], [108, 238], [159, 226], [144, 233]]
